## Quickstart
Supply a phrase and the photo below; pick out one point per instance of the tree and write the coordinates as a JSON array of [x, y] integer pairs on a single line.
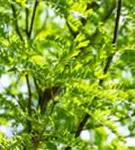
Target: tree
[[67, 68]]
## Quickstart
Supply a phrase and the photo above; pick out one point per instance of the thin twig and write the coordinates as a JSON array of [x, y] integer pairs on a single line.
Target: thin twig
[[16, 22], [33, 18], [114, 41], [26, 18], [30, 95], [82, 124], [29, 102]]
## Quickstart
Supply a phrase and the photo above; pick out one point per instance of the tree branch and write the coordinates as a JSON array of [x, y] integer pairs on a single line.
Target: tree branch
[[26, 18], [27, 78], [82, 124], [28, 32], [16, 22], [33, 18], [29, 100], [30, 95], [114, 41], [86, 117]]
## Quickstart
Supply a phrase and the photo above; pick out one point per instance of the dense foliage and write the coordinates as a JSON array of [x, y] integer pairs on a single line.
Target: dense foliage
[[67, 74]]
